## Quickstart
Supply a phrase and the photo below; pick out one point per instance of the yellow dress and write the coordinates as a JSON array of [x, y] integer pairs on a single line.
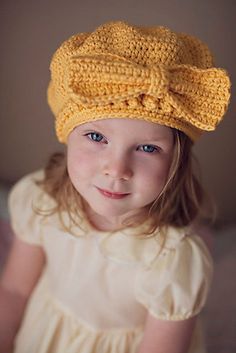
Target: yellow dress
[[97, 287]]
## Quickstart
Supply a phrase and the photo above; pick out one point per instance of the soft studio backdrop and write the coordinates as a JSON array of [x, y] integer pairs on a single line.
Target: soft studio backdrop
[[30, 32]]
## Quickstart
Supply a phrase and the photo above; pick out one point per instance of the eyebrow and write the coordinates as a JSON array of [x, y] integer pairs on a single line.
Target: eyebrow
[[153, 137], [103, 128], [93, 124], [158, 138]]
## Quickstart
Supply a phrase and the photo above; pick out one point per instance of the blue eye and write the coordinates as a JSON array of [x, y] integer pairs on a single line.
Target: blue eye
[[95, 136], [149, 148]]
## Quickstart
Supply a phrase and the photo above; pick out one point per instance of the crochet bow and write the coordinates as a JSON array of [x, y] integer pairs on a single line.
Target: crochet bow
[[198, 96]]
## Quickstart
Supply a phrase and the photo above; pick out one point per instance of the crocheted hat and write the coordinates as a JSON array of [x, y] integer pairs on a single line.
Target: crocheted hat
[[148, 73]]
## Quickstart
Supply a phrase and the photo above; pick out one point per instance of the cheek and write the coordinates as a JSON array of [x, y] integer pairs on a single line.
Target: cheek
[[81, 162], [78, 164], [154, 177]]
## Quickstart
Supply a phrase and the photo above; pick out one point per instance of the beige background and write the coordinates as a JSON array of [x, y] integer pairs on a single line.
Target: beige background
[[30, 31]]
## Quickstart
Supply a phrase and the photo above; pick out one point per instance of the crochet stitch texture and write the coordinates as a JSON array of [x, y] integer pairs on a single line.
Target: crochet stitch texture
[[149, 73]]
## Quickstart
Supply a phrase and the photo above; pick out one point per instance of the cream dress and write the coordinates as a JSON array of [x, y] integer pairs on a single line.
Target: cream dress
[[97, 287]]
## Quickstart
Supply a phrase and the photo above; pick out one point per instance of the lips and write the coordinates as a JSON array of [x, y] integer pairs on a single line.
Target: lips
[[112, 195]]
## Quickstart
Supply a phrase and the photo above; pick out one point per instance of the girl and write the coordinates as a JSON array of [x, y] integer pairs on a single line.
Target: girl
[[105, 258]]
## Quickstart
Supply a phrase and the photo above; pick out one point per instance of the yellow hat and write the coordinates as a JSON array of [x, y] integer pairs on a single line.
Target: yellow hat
[[149, 73]]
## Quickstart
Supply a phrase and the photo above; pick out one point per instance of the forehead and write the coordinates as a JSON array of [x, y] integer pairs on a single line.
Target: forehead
[[135, 127]]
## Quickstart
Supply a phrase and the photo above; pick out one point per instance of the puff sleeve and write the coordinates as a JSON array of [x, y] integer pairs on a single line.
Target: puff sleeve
[[175, 286], [23, 199]]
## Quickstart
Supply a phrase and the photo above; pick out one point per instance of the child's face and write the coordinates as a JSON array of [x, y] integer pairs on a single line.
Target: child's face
[[119, 166]]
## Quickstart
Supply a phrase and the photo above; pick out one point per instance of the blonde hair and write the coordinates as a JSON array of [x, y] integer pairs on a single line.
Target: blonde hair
[[182, 200]]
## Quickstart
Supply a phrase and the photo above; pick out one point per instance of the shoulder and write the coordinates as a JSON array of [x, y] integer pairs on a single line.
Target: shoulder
[[174, 285], [29, 180], [27, 191], [183, 241], [26, 204], [182, 254], [126, 246]]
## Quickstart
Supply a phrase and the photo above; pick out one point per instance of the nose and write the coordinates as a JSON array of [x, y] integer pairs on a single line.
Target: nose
[[118, 167]]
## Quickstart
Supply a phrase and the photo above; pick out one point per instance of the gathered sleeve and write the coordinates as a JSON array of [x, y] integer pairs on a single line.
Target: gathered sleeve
[[23, 203], [176, 284]]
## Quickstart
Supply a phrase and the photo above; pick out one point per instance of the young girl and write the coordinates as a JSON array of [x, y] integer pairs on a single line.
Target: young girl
[[105, 258]]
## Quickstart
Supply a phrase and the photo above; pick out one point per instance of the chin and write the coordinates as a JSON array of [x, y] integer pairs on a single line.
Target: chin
[[110, 209]]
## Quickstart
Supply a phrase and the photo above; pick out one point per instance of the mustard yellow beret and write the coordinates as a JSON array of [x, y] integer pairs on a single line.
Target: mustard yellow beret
[[125, 71]]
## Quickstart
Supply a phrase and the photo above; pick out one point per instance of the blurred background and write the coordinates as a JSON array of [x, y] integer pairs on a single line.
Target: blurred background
[[30, 32]]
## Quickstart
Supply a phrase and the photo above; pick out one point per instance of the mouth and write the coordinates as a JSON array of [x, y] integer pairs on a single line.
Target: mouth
[[112, 195]]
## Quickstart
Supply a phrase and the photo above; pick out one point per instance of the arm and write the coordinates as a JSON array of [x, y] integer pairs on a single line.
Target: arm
[[22, 271], [166, 336]]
